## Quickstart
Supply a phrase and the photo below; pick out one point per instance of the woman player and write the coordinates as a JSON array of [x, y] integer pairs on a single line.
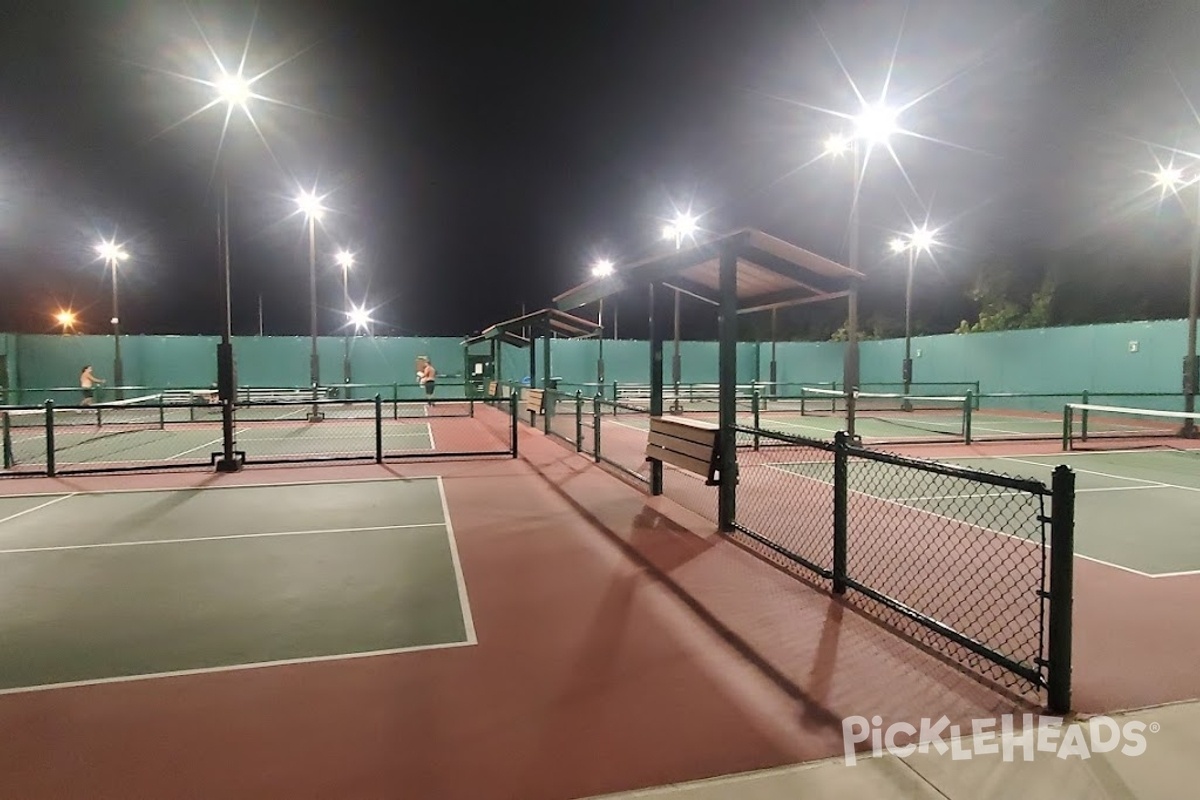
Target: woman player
[[426, 376], [87, 382]]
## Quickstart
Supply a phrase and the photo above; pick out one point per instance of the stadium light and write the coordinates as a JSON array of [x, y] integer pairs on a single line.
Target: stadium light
[[345, 260], [602, 268], [112, 254], [66, 318], [920, 239], [359, 317], [876, 123], [683, 227], [309, 203], [1170, 178]]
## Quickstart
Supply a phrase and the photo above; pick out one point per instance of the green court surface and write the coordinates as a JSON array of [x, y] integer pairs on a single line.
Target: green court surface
[[116, 585], [1135, 510]]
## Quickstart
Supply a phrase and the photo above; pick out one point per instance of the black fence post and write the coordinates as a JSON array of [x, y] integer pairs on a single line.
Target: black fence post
[[578, 420], [513, 413], [756, 402], [378, 429], [596, 428], [50, 468], [841, 510], [1062, 589]]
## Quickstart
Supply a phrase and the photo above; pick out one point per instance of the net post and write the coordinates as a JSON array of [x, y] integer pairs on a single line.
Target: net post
[[968, 407], [378, 429], [1068, 426], [395, 401], [596, 427], [975, 387], [616, 398], [1083, 419], [841, 505], [547, 409], [6, 439], [1062, 578], [50, 466], [513, 419], [803, 397], [162, 414], [578, 420]]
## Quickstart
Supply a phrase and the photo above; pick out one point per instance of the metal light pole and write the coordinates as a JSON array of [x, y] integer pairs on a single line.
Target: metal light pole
[[1191, 370], [113, 254], [601, 269], [314, 359], [345, 260], [1170, 178], [911, 245]]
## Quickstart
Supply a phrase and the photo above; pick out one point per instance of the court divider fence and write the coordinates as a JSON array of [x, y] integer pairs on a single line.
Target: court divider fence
[[172, 432], [974, 565]]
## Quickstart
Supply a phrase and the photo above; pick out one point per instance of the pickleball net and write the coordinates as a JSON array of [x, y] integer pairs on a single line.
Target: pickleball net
[[1090, 426]]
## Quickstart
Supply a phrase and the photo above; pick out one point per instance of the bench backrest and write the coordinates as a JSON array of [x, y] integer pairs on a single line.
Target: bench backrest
[[688, 444], [535, 400]]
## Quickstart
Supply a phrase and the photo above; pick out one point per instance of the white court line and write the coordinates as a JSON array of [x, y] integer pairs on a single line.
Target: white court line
[[218, 440], [57, 499], [152, 489], [1127, 478], [463, 602], [232, 668], [898, 502], [432, 444], [141, 542]]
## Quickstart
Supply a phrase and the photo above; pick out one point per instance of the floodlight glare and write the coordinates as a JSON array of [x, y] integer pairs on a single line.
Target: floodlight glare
[[898, 245], [875, 123], [1169, 178], [922, 239], [602, 268], [359, 317], [345, 259], [310, 205], [111, 252], [685, 225], [233, 89], [66, 318], [837, 145]]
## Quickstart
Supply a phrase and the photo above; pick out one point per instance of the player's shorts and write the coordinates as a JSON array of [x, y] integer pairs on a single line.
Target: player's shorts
[[88, 394], [429, 388]]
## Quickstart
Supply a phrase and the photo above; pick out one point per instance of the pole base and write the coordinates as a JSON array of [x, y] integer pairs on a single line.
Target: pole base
[[1189, 430], [229, 465], [315, 416]]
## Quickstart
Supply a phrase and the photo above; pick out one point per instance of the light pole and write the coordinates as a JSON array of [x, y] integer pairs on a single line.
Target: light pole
[[233, 91], [601, 269], [683, 227], [310, 206], [919, 239], [874, 125], [1172, 179], [345, 260], [113, 254]]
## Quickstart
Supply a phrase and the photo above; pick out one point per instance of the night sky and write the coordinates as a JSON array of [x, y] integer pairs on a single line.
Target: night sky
[[477, 156]]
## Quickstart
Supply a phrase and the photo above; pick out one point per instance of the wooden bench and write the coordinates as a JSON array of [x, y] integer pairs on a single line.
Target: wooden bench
[[534, 403], [689, 444], [262, 395], [173, 397]]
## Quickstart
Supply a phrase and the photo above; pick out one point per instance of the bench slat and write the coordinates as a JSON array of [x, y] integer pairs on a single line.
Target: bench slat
[[700, 451], [704, 437], [685, 462]]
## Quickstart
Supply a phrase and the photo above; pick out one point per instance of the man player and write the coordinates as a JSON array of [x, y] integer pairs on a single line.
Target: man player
[[426, 376], [87, 382]]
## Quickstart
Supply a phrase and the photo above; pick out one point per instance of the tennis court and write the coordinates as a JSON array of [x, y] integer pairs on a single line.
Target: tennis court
[[116, 585]]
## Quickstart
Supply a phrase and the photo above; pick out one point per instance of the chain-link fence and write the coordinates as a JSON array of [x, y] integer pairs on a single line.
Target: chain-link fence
[[972, 564]]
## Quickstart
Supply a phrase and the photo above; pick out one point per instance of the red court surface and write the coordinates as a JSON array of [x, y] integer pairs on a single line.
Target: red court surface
[[622, 643]]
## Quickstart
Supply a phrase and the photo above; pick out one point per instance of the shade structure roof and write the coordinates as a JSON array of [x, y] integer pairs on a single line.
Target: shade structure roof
[[546, 321], [771, 273]]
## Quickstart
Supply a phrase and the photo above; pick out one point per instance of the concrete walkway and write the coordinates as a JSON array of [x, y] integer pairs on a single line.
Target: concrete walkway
[[1168, 768]]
